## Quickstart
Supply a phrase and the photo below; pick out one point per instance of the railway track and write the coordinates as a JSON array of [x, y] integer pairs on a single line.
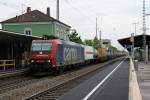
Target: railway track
[[58, 91], [16, 82], [11, 83]]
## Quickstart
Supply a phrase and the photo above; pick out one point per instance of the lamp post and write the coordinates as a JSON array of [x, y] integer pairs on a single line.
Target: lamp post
[[144, 32], [132, 40], [57, 10], [135, 27]]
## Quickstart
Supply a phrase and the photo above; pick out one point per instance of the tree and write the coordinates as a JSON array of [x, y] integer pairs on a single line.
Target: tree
[[96, 42], [75, 38], [112, 48], [88, 42]]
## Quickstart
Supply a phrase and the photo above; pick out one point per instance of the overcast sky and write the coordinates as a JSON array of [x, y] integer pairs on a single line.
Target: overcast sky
[[115, 17]]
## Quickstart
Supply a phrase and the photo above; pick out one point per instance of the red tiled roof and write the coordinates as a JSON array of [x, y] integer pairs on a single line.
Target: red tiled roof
[[33, 16]]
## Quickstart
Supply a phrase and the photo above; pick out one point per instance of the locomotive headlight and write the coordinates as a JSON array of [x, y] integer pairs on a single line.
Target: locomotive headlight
[[49, 61], [32, 61]]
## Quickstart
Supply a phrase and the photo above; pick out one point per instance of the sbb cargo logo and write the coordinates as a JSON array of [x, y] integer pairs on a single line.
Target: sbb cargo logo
[[70, 54]]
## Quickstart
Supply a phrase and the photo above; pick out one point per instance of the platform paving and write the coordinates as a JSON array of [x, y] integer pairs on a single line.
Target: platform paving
[[143, 75]]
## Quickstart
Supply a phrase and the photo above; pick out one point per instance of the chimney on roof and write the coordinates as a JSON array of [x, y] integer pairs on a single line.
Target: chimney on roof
[[28, 9], [48, 11]]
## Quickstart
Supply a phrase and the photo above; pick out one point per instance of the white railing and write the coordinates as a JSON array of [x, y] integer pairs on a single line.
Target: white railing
[[7, 63]]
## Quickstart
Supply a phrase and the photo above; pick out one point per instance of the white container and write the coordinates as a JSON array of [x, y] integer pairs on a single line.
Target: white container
[[88, 52]]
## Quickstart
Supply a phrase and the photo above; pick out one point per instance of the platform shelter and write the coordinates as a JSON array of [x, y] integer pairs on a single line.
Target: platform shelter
[[14, 49], [138, 46]]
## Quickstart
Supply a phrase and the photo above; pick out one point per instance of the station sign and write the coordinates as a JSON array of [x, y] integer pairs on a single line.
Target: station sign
[[128, 46]]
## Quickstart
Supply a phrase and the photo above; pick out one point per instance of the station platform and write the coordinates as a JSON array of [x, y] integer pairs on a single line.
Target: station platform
[[143, 76]]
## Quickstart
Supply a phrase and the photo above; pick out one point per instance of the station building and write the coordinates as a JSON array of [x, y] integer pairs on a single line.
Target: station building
[[18, 32], [37, 23]]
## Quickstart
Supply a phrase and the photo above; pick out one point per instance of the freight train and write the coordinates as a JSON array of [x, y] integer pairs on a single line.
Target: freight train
[[55, 55]]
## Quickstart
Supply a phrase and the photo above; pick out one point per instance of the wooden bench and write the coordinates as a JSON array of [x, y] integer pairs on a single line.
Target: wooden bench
[[7, 63]]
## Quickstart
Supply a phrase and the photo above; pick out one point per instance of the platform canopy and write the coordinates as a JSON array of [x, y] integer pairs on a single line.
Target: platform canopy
[[138, 41], [6, 36]]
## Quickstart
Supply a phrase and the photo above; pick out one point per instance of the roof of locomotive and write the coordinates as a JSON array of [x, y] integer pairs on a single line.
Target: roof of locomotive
[[41, 41], [57, 41]]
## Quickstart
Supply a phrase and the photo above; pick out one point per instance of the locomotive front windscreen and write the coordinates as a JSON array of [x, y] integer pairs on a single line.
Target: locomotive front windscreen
[[41, 47]]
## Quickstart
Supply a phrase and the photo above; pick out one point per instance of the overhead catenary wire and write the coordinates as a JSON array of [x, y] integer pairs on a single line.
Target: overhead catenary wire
[[79, 11], [99, 27], [14, 6]]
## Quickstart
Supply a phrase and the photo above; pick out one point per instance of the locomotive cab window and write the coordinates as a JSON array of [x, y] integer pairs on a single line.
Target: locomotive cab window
[[36, 47], [41, 47], [46, 47]]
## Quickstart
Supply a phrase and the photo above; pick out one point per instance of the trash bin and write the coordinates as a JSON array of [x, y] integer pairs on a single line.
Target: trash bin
[[136, 65]]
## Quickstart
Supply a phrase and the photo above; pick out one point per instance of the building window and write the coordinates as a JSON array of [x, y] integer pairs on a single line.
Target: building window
[[28, 31]]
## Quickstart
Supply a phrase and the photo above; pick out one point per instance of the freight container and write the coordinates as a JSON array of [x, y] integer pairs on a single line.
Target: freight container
[[102, 53], [88, 52]]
